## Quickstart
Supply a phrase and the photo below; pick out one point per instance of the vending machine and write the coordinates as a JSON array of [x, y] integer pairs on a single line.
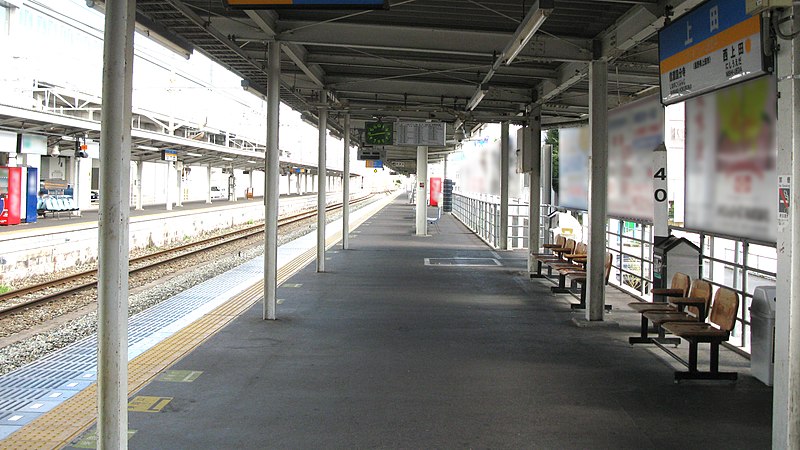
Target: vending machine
[[10, 192], [436, 191]]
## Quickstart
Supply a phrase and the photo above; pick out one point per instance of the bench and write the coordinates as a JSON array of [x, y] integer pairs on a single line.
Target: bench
[[578, 277], [679, 287], [698, 301], [721, 320], [571, 262], [555, 257]]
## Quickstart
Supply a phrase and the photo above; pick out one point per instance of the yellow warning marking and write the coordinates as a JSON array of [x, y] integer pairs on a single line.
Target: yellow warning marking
[[146, 403], [90, 439], [62, 424], [180, 376]]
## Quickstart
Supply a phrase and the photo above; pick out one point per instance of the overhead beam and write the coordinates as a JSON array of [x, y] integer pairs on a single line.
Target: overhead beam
[[430, 40]]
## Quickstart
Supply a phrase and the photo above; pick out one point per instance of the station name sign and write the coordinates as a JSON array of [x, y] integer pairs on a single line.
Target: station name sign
[[714, 45], [308, 4]]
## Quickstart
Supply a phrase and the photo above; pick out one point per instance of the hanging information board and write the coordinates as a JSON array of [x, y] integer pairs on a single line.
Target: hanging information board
[[430, 134], [308, 4], [712, 46]]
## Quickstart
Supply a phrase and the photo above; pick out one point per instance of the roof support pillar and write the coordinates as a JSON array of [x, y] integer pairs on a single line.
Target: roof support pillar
[[422, 193], [323, 176], [598, 179], [179, 183], [346, 185], [532, 138], [786, 395], [272, 177], [208, 188], [505, 148], [112, 285], [168, 188], [139, 176]]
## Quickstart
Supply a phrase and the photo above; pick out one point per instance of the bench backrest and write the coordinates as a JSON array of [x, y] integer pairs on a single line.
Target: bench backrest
[[561, 240], [580, 248], [723, 311], [700, 289], [607, 266], [681, 281]]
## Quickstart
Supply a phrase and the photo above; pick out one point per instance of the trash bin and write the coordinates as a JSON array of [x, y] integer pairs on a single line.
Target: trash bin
[[762, 333]]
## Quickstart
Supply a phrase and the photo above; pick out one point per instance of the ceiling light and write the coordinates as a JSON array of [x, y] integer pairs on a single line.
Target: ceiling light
[[476, 98], [226, 159], [535, 18], [252, 162], [147, 147]]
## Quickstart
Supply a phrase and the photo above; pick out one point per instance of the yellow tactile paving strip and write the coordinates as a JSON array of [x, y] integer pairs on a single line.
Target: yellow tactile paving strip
[[67, 421]]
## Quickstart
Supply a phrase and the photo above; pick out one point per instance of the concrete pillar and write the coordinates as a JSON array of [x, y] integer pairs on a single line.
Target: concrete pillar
[[250, 184], [208, 190], [139, 177], [272, 176], [289, 183], [305, 182], [533, 146], [598, 179], [297, 184], [179, 183], [323, 175], [786, 394], [346, 184], [112, 285], [83, 184], [232, 185], [168, 188], [422, 191], [505, 148]]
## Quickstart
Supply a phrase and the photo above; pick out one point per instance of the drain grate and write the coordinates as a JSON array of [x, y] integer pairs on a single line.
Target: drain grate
[[462, 262]]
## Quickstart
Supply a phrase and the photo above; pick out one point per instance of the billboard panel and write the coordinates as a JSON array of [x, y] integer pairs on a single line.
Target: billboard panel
[[730, 161], [634, 131], [574, 145]]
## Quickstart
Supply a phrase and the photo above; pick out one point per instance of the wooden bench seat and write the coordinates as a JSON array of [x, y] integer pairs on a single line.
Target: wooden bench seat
[[698, 300], [556, 257], [721, 320]]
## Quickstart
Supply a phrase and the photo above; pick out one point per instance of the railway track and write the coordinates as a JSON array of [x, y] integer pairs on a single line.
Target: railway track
[[21, 299]]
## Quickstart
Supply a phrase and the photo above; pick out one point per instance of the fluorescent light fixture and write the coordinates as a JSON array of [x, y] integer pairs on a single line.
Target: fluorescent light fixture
[[476, 98], [252, 162], [226, 159], [457, 124], [147, 147], [193, 154], [535, 18]]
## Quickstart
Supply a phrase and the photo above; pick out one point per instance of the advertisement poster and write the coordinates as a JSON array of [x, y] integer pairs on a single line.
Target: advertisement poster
[[634, 131], [730, 161], [574, 146]]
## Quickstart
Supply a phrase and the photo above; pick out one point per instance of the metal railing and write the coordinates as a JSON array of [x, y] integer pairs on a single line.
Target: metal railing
[[481, 214]]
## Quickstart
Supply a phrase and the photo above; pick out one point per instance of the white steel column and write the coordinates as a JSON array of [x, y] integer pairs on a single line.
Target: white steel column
[[168, 188], [323, 175], [272, 176], [533, 139], [786, 393], [504, 156], [139, 176], [208, 190], [598, 178], [114, 215], [422, 192], [179, 184], [289, 183], [547, 182], [346, 185], [297, 184]]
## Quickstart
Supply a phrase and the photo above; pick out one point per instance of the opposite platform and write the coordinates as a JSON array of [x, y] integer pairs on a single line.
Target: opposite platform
[[434, 342]]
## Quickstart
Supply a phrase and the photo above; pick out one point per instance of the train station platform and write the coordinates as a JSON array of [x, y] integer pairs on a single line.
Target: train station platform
[[427, 342], [437, 342]]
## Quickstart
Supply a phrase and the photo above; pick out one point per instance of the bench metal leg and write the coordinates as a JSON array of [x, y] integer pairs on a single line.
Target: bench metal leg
[[538, 273], [562, 285], [713, 373]]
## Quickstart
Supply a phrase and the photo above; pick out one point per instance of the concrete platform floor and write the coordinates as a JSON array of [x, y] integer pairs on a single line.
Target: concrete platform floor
[[384, 351]]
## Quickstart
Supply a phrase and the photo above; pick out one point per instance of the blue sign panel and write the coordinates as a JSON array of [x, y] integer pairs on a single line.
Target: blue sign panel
[[712, 46]]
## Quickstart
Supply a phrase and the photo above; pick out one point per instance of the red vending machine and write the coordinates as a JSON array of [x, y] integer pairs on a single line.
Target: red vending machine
[[10, 192], [436, 191]]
